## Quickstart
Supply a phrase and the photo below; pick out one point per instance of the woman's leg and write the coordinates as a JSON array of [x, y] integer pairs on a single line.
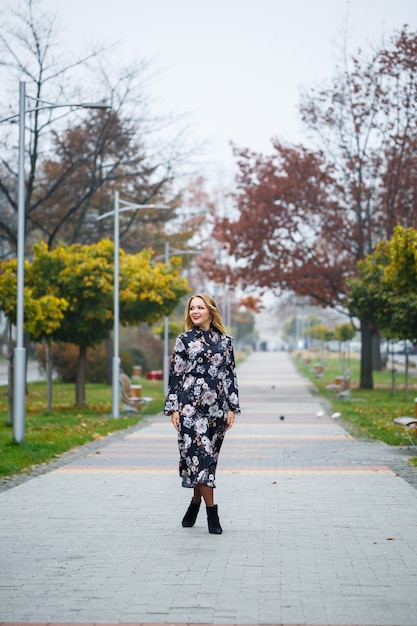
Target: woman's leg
[[197, 494], [190, 516], [208, 494], [212, 512]]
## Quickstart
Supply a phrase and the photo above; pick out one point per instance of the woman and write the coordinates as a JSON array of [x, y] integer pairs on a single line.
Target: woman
[[202, 401]]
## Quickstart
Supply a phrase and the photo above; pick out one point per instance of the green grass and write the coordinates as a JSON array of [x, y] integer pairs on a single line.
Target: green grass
[[50, 434], [367, 413]]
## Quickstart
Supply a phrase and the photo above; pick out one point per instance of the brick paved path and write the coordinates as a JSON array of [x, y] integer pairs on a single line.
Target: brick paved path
[[318, 527]]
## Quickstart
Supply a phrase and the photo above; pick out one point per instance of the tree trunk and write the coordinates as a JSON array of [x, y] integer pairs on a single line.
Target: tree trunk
[[407, 363], [377, 365], [366, 378], [80, 382], [48, 364]]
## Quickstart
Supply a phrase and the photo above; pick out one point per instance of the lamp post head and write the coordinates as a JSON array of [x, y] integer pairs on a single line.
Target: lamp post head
[[70, 105], [93, 105]]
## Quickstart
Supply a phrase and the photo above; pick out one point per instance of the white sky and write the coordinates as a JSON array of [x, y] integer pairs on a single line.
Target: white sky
[[235, 66]]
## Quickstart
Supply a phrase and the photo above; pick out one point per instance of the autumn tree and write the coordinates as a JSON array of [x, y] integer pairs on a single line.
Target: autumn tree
[[384, 294], [80, 279], [75, 160], [385, 290], [43, 313], [306, 216], [76, 184]]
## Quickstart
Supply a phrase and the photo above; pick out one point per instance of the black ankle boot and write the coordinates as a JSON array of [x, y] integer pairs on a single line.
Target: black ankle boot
[[213, 520], [191, 514]]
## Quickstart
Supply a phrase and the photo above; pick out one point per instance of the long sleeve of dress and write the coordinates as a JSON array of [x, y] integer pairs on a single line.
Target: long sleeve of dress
[[231, 381], [176, 376]]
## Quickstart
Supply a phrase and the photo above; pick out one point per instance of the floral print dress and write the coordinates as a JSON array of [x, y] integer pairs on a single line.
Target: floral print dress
[[203, 389]]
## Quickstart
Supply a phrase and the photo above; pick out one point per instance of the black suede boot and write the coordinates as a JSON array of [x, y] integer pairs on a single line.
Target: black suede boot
[[191, 514], [213, 520]]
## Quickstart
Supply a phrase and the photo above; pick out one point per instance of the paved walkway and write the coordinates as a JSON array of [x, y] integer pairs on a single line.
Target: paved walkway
[[318, 527]]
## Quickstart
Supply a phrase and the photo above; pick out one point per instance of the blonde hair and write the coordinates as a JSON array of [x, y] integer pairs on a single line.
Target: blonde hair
[[216, 318]]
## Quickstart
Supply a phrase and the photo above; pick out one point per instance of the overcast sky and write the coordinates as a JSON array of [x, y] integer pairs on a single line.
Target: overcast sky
[[235, 66]]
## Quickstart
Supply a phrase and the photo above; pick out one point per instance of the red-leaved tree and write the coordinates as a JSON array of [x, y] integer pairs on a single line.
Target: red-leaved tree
[[305, 216]]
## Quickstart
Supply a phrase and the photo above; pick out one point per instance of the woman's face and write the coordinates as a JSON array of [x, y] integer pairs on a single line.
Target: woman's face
[[199, 313]]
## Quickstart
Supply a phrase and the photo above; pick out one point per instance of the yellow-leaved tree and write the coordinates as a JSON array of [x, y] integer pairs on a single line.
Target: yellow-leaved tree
[[81, 278], [384, 294], [43, 315]]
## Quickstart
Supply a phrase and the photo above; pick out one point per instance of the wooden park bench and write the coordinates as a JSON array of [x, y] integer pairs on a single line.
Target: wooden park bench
[[408, 424], [318, 370], [341, 386], [132, 399]]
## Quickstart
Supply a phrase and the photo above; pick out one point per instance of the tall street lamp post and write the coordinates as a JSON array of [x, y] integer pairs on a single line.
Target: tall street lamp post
[[119, 207], [166, 334], [19, 378], [19, 370]]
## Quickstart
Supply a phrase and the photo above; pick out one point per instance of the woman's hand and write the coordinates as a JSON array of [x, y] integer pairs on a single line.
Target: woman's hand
[[230, 420], [175, 419]]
